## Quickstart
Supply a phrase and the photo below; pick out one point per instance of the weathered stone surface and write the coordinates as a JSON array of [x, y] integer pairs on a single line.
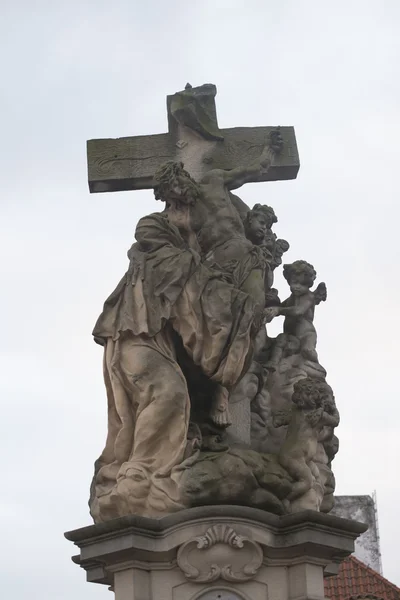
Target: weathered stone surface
[[203, 407], [362, 508], [220, 554], [310, 423], [237, 476], [129, 163], [181, 323], [215, 548], [298, 426]]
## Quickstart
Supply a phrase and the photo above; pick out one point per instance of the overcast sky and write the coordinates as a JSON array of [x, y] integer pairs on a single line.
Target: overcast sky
[[80, 69]]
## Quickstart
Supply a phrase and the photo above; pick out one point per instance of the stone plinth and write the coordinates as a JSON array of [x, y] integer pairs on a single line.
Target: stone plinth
[[216, 553]]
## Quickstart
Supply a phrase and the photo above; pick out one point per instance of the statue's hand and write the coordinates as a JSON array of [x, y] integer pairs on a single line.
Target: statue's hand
[[276, 141], [270, 313]]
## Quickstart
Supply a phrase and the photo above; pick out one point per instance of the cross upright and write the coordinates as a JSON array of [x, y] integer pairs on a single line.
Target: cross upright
[[194, 138]]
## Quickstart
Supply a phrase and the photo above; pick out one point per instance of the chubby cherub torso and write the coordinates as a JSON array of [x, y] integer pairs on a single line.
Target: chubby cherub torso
[[304, 315], [302, 437]]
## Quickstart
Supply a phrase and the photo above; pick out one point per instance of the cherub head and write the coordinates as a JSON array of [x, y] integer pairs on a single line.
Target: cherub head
[[300, 276], [311, 393], [269, 241], [282, 246], [258, 221], [173, 185]]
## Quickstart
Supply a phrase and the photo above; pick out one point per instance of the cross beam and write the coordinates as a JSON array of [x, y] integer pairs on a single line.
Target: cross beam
[[194, 138]]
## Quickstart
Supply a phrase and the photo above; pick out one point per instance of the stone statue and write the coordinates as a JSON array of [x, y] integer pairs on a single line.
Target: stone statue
[[299, 308], [210, 224], [194, 287], [289, 360], [258, 227], [186, 349], [258, 224], [313, 410]]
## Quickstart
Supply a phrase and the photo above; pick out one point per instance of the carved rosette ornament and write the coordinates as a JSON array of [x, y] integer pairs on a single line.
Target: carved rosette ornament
[[220, 554]]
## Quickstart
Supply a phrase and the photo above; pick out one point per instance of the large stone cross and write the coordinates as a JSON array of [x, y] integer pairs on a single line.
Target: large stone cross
[[194, 138]]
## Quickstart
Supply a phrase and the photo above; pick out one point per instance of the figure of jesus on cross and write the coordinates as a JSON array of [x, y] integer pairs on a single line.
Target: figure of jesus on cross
[[194, 138], [210, 224]]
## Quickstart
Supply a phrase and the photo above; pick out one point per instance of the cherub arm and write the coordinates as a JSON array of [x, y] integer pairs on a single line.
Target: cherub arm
[[314, 417], [305, 303], [274, 311], [287, 302], [331, 419]]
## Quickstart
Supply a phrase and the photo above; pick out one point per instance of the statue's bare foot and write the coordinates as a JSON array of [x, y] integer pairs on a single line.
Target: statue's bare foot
[[220, 417], [219, 413]]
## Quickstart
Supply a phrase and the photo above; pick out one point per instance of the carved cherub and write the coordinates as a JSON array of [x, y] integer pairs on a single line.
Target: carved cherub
[[328, 445], [281, 246], [313, 409], [259, 221], [258, 228], [298, 309]]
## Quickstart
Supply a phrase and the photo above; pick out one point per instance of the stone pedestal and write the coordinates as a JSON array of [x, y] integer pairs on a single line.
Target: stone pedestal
[[216, 553]]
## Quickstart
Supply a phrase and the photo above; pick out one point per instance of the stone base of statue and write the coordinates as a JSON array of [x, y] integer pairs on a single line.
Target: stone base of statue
[[216, 553]]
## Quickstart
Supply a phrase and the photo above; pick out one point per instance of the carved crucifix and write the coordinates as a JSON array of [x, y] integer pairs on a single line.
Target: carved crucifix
[[195, 139]]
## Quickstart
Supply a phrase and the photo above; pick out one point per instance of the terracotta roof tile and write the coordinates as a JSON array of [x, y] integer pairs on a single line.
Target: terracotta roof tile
[[356, 581]]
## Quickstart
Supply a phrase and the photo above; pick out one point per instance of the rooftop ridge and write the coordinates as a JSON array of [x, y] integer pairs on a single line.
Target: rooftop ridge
[[356, 580]]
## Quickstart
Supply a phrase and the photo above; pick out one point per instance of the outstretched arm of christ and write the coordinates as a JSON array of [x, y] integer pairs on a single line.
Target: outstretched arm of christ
[[235, 178]]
